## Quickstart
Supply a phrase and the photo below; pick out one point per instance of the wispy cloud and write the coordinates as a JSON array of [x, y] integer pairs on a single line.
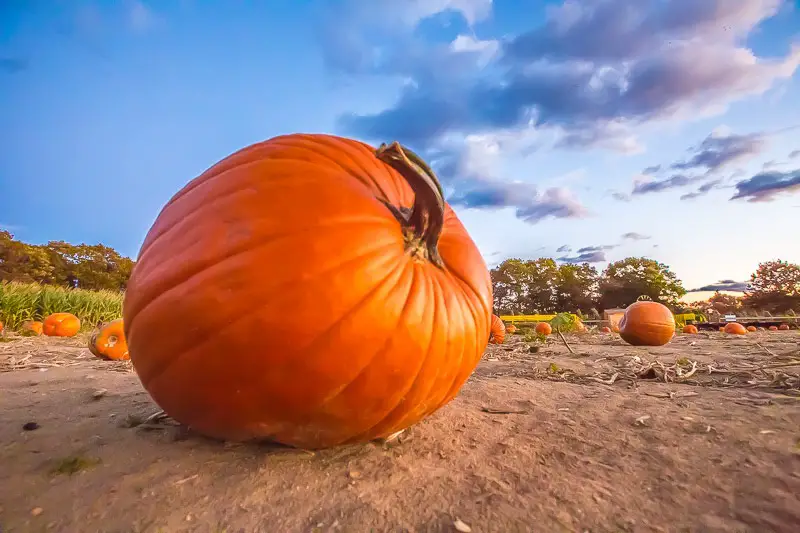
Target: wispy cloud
[[766, 186], [703, 190], [586, 257], [723, 285], [633, 236]]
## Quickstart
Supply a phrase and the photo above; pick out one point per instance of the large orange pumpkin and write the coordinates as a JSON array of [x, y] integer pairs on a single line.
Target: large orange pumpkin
[[784, 327], [31, 327], [647, 323], [734, 328], [61, 325], [354, 246], [497, 334], [543, 328], [109, 342], [690, 329]]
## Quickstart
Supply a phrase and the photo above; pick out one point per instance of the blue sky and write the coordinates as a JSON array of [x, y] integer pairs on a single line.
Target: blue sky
[[588, 130]]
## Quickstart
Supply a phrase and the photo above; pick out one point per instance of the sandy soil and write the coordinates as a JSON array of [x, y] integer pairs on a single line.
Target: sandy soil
[[610, 438]]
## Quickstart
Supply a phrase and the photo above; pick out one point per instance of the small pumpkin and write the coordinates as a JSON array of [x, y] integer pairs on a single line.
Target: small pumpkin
[[615, 329], [109, 342], [2, 327], [751, 329], [690, 329], [511, 329], [497, 335], [61, 325], [543, 328], [647, 323], [31, 328], [773, 328], [354, 246], [722, 329], [605, 329], [580, 327], [784, 327], [734, 328]]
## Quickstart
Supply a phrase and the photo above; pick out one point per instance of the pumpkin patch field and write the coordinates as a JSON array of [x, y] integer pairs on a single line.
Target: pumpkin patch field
[[584, 433]]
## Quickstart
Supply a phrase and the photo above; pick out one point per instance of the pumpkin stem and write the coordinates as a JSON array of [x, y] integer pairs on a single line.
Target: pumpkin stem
[[426, 218]]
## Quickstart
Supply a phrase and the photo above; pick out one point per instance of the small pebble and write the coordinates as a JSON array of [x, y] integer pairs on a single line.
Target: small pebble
[[99, 393], [30, 426], [36, 511]]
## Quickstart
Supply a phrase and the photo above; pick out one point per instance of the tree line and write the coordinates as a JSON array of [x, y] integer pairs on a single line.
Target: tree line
[[520, 286], [61, 263], [542, 286]]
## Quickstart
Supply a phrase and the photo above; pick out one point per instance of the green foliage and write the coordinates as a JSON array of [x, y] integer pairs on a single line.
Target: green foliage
[[565, 323], [60, 263], [542, 287], [31, 301], [774, 287], [634, 278]]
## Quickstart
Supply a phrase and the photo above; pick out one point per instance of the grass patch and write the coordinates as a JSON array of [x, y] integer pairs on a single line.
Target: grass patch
[[73, 464], [20, 302]]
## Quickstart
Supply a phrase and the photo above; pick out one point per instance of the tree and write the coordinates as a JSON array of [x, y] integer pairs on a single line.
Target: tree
[[542, 286], [60, 263], [774, 287], [626, 280], [524, 287], [724, 303], [23, 262], [576, 287]]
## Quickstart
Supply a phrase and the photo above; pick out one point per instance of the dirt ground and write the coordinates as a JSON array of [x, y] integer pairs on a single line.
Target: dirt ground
[[701, 435]]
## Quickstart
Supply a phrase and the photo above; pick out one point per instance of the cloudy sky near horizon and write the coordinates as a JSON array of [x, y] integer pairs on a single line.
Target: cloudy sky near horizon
[[581, 130]]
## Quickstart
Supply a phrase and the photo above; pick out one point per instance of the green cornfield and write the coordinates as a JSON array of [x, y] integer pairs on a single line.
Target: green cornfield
[[30, 301]]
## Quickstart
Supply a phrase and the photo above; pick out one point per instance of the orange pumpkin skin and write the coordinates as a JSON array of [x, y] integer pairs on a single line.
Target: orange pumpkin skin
[[61, 325], [32, 327], [734, 328], [511, 328], [605, 329], [690, 329], [497, 335], [302, 232], [647, 323], [784, 327], [773, 328], [2, 327], [109, 342], [543, 328], [751, 329]]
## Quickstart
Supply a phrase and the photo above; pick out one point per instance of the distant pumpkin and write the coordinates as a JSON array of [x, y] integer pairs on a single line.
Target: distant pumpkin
[[31, 328], [773, 328], [497, 334], [784, 327], [690, 329], [647, 323], [109, 342], [721, 330], [751, 329], [543, 328], [615, 329], [1, 326], [61, 325], [605, 329], [511, 328], [734, 328]]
